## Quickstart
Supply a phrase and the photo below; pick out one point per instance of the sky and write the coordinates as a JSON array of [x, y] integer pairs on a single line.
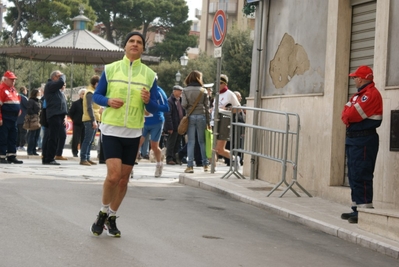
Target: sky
[[192, 5]]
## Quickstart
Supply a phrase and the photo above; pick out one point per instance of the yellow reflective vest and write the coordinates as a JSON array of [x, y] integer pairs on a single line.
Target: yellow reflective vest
[[96, 108], [125, 80]]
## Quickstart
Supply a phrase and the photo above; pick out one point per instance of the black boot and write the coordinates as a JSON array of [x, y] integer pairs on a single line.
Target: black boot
[[3, 161], [347, 216], [14, 160]]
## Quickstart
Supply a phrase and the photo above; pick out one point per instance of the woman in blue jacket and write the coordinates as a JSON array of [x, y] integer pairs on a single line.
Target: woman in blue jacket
[[153, 126]]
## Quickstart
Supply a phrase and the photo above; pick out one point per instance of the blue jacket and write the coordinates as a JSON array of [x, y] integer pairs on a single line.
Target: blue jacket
[[162, 101]]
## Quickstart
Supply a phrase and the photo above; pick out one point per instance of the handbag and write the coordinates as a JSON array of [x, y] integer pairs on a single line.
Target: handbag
[[208, 143], [183, 125], [31, 122]]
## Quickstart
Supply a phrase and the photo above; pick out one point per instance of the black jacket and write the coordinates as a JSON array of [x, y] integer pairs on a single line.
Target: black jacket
[[33, 106], [76, 111], [24, 106], [55, 99], [172, 119]]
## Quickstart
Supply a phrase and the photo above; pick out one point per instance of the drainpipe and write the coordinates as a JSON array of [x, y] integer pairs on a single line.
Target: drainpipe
[[260, 10]]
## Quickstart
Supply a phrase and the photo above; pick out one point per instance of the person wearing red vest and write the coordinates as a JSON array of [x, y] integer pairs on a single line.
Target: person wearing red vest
[[9, 111], [362, 115]]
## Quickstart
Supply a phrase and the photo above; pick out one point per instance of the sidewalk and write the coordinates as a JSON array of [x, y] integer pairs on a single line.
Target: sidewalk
[[313, 212]]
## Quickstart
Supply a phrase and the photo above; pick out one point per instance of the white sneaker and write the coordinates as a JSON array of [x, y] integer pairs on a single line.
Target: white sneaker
[[236, 162], [158, 170]]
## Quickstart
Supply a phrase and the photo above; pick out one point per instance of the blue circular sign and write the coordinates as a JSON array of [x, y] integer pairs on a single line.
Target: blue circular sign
[[219, 28]]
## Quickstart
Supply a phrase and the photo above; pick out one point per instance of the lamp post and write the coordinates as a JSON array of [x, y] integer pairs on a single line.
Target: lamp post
[[184, 60], [183, 63], [178, 77]]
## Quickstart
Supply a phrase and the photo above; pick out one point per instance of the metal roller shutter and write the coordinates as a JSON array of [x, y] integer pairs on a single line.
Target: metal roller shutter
[[362, 43], [362, 38]]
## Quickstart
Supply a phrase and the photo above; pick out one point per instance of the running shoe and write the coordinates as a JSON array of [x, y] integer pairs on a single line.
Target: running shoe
[[158, 170], [110, 226], [98, 225]]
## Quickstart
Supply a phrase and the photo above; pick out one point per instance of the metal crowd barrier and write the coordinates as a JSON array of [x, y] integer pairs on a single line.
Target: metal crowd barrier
[[277, 140]]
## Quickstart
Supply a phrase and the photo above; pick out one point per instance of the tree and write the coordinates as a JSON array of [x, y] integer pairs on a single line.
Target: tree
[[175, 43], [32, 74], [46, 17], [113, 14], [166, 71], [173, 21], [237, 60], [205, 64]]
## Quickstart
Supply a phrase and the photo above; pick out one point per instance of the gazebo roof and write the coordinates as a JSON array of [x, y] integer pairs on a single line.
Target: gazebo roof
[[76, 46], [80, 39]]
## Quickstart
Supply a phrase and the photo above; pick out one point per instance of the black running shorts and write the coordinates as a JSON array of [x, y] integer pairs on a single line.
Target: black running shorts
[[121, 148]]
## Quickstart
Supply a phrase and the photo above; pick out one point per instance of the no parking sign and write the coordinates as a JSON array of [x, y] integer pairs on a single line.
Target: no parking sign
[[219, 28]]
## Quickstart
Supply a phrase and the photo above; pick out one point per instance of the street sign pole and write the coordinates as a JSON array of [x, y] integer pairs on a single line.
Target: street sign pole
[[219, 30], [216, 114]]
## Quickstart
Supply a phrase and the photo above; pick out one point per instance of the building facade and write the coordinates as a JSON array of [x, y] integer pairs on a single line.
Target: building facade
[[308, 48], [234, 16]]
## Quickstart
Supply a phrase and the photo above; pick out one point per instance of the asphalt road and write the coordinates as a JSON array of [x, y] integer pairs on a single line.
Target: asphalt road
[[46, 213]]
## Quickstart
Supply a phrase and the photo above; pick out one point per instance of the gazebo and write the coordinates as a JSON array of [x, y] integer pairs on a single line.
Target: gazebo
[[76, 46]]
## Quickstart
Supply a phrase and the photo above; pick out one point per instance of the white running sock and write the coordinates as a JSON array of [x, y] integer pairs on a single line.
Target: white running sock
[[104, 208], [111, 213]]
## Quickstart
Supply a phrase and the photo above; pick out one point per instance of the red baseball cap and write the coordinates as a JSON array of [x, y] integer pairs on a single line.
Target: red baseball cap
[[364, 72], [10, 75]]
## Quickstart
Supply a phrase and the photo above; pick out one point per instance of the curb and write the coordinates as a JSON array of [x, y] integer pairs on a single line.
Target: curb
[[347, 235]]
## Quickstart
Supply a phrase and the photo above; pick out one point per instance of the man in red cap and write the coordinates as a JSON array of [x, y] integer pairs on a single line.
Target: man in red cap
[[9, 111], [362, 115]]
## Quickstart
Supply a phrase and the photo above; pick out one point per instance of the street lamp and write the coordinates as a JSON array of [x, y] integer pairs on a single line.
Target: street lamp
[[178, 77], [184, 60]]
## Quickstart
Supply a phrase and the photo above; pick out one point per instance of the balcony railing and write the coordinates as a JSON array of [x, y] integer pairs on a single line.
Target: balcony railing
[[229, 8], [198, 13]]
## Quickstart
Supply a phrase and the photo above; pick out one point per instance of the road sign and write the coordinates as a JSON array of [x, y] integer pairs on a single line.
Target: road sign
[[217, 52], [219, 28]]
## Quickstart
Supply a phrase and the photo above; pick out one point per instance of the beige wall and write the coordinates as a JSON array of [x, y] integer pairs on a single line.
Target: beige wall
[[322, 138]]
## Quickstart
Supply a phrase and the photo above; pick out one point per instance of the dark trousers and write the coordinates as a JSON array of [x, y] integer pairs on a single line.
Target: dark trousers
[[33, 136], [101, 153], [8, 138], [61, 141], [173, 145], [77, 137], [44, 143], [53, 132], [361, 162], [21, 137]]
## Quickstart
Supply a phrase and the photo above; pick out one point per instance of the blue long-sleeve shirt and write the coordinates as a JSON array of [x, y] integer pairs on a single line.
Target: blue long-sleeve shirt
[[162, 101], [101, 90]]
